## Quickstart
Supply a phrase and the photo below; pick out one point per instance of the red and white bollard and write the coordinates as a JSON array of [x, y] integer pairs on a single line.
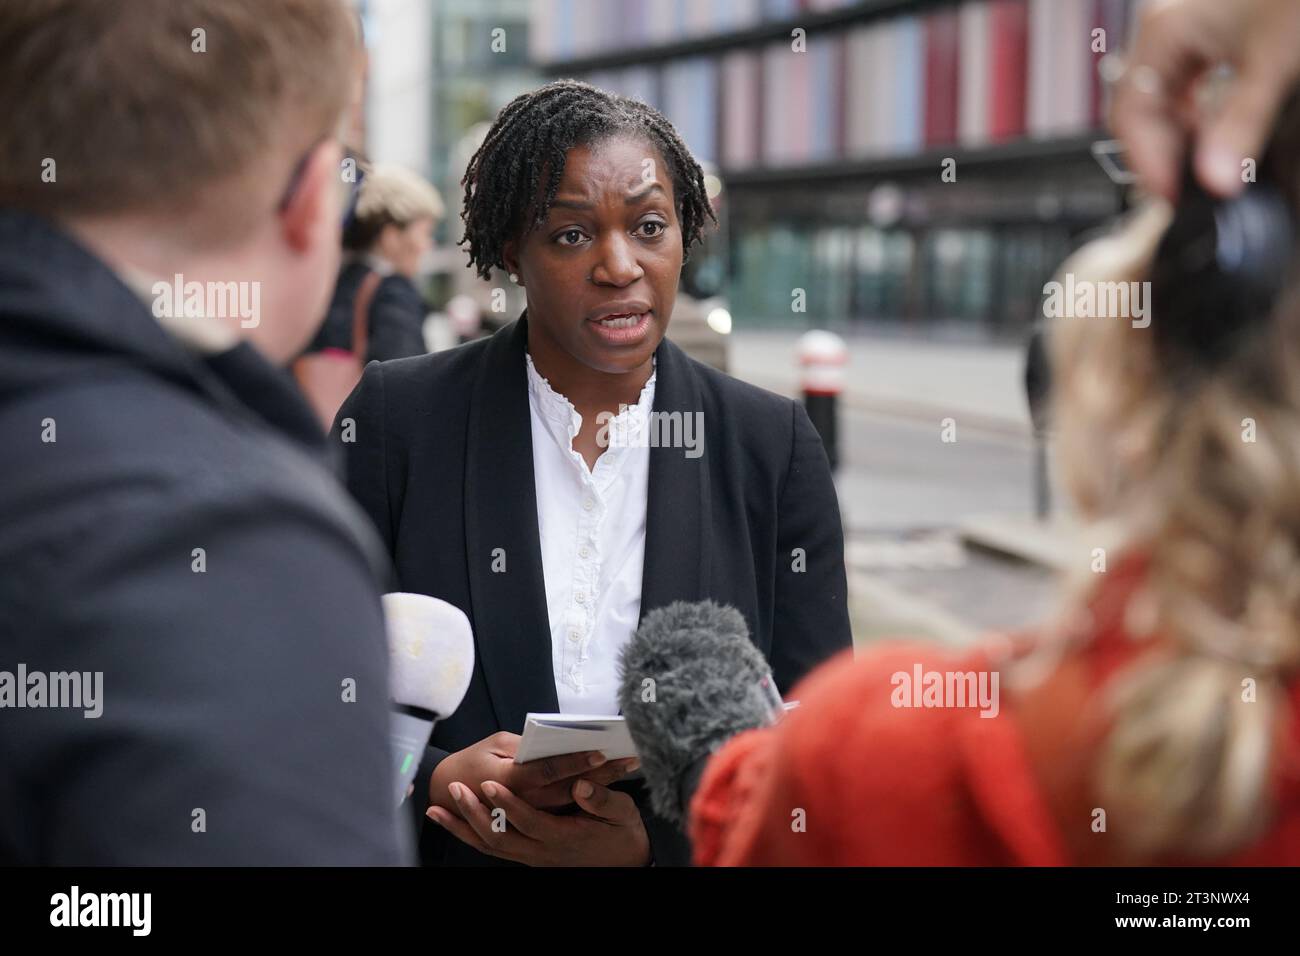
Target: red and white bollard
[[823, 357]]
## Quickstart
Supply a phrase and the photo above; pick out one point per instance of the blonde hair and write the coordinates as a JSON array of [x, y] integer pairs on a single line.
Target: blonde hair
[[1197, 470], [390, 195], [399, 195]]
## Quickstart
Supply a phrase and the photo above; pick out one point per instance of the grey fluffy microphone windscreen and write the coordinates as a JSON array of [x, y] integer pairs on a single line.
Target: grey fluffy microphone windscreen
[[689, 680]]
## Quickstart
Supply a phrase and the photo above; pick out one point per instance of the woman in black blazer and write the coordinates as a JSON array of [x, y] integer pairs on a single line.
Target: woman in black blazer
[[589, 201]]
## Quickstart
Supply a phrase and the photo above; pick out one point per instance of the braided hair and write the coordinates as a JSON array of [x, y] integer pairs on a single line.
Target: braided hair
[[513, 177]]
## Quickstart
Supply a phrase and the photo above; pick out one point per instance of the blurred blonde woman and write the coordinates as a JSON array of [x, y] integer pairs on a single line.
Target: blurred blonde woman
[[376, 312], [384, 243], [1156, 721]]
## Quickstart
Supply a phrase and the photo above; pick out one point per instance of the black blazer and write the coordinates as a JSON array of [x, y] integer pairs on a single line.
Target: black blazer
[[441, 459]]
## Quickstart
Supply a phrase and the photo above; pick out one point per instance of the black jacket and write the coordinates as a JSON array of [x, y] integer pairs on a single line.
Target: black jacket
[[442, 461], [224, 736], [396, 320]]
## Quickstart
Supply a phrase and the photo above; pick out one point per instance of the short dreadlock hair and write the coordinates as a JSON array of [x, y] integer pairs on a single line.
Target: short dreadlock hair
[[512, 179]]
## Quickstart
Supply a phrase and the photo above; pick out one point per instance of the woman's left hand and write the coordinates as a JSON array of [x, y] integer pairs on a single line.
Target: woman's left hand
[[609, 832]]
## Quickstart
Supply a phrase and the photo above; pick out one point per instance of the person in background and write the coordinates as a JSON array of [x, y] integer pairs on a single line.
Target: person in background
[[1158, 720], [171, 532], [385, 242]]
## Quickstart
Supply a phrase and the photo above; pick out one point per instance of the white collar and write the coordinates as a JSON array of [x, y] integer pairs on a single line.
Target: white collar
[[564, 421]]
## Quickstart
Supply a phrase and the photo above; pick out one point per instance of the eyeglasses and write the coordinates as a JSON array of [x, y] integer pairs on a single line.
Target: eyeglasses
[[352, 172]]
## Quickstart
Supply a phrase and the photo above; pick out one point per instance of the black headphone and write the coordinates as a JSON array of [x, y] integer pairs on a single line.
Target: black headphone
[[1219, 269]]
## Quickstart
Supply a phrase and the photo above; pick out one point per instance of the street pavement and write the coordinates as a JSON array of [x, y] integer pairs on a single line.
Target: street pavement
[[910, 499]]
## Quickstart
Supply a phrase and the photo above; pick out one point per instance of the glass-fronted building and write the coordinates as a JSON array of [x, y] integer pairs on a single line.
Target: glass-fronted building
[[921, 165]]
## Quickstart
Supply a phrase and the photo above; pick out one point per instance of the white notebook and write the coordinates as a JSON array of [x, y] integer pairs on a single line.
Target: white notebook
[[550, 735]]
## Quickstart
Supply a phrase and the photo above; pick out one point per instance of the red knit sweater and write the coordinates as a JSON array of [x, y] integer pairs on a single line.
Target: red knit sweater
[[850, 779]]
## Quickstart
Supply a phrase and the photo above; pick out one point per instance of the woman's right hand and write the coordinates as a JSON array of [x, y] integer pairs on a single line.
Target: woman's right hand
[[545, 784]]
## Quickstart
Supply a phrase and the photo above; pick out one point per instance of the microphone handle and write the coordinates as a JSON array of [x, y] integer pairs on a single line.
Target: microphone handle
[[409, 733]]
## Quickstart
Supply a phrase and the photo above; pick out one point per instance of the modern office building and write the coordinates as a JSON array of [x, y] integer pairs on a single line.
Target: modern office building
[[918, 164], [439, 71]]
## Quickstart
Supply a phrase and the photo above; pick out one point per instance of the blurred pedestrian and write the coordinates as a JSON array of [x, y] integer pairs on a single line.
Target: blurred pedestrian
[[377, 312]]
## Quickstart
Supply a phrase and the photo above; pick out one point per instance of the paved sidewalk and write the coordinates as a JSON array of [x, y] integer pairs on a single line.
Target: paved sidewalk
[[978, 385], [1003, 568], [981, 386], [1060, 544]]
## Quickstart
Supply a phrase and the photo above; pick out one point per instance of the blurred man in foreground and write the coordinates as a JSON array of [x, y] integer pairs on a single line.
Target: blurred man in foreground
[[169, 229]]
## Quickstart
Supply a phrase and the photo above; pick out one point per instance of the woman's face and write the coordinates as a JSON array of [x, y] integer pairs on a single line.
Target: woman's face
[[601, 271], [405, 246]]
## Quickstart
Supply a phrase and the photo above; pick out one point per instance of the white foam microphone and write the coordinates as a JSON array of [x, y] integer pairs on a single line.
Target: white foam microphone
[[431, 658]]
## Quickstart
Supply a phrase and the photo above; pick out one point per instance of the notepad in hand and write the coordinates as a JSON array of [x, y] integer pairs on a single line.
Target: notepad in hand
[[550, 735]]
